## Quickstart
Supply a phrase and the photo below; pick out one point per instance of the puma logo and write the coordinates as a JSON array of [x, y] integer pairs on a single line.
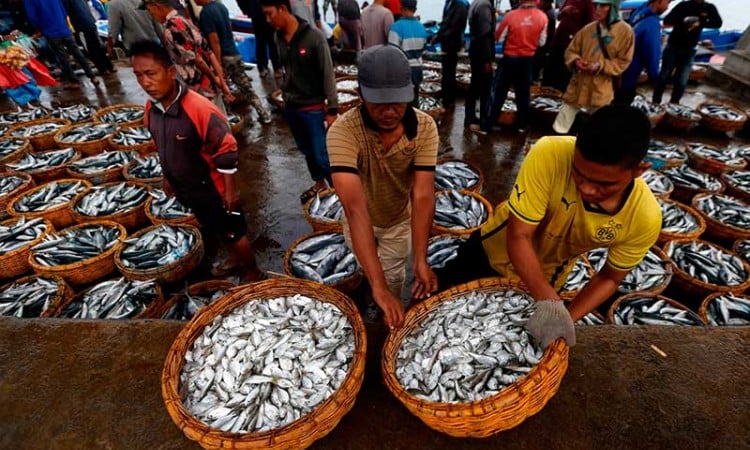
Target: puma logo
[[519, 193], [567, 203]]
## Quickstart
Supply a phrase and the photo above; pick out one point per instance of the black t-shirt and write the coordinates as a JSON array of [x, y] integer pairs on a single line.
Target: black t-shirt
[[707, 15]]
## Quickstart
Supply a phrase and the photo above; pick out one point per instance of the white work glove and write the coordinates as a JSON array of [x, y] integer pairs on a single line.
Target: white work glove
[[550, 321]]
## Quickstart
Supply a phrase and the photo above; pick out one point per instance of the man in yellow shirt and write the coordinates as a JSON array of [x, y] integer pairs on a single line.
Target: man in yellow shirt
[[571, 195]]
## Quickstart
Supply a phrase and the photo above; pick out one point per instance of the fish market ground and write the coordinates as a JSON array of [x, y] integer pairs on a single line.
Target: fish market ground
[[96, 384]]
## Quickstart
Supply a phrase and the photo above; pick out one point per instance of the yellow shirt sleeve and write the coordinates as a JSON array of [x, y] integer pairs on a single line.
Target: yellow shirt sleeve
[[645, 227], [426, 142]]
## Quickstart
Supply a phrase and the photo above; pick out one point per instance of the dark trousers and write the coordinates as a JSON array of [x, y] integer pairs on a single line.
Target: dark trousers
[[416, 80], [448, 82], [471, 263], [96, 52], [624, 95], [62, 48], [681, 61], [479, 89], [556, 73], [516, 71], [309, 131], [265, 47]]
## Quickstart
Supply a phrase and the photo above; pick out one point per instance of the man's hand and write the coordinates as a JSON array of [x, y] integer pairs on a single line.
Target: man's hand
[[426, 282], [330, 119], [550, 321], [392, 308], [581, 65]]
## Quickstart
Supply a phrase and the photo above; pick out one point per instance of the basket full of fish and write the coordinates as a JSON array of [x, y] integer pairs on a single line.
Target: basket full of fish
[[324, 212], [459, 212], [347, 83], [726, 309], [144, 169], [679, 221], [721, 117], [345, 70], [432, 106], [45, 166], [162, 208], [184, 305], [347, 100], [33, 296], [137, 139], [680, 118], [101, 168], [652, 275], [458, 174], [272, 365], [702, 268], [442, 249], [323, 257], [689, 182], [115, 299], [714, 161], [651, 309], [737, 184], [125, 115], [16, 117], [546, 103], [11, 186], [659, 184], [579, 275], [727, 219], [165, 253], [89, 138], [79, 254], [121, 202], [465, 365], [74, 113], [12, 149], [431, 88], [50, 201], [742, 249], [665, 154], [653, 111], [17, 236], [40, 132]]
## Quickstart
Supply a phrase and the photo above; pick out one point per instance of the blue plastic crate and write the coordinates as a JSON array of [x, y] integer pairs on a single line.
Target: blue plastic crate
[[247, 48]]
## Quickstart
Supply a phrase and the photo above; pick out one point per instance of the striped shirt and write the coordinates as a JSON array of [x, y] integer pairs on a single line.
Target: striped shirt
[[409, 34], [387, 175]]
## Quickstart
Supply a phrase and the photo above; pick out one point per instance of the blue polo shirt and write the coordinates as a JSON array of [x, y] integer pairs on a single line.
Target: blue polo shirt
[[215, 19], [647, 53]]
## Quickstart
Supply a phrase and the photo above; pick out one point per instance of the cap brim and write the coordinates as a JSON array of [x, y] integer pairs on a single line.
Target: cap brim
[[388, 95]]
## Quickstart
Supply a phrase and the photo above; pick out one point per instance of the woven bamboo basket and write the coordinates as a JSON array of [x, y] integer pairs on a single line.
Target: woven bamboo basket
[[6, 199], [736, 249], [703, 309], [102, 177], [204, 287], [711, 166], [88, 270], [175, 271], [132, 219], [18, 153], [625, 298], [694, 288], [318, 224], [679, 123], [570, 295], [346, 106], [491, 415], [683, 193], [155, 302], [434, 92], [657, 118], [547, 117], [42, 141], [15, 263], [665, 236], [506, 118], [133, 123], [156, 182], [722, 125], [659, 288], [47, 174], [718, 230], [188, 220], [88, 148], [697, 72], [437, 229], [144, 148], [733, 190], [477, 187], [345, 286], [663, 164], [297, 435], [435, 113], [346, 78], [63, 294], [60, 216]]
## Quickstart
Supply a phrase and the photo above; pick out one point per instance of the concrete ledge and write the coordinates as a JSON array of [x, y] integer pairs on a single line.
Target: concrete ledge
[[96, 384]]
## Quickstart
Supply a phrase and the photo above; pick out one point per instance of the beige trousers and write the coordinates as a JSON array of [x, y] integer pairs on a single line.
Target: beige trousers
[[394, 246]]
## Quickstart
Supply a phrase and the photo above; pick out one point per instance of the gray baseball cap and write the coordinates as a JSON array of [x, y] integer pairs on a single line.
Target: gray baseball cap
[[385, 75]]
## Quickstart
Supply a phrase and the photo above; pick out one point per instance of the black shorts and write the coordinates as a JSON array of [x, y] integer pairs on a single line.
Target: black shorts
[[230, 226], [470, 264]]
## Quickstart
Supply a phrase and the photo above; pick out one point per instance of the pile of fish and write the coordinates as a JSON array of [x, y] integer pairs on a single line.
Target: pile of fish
[[431, 75], [652, 311], [324, 258], [721, 112], [579, 276], [590, 319], [12, 118], [648, 108], [185, 309], [743, 250], [708, 263], [35, 162], [8, 146], [111, 199], [347, 85], [429, 88], [233, 119], [74, 245], [132, 136], [425, 103], [122, 115], [52, 194], [112, 299], [87, 133], [346, 97], [36, 129], [728, 309], [726, 156], [442, 249], [28, 299], [327, 209], [544, 103], [726, 210], [468, 348], [349, 70], [509, 105], [165, 207], [161, 246], [689, 177], [455, 175], [463, 77], [650, 273], [597, 258], [675, 219], [101, 162], [20, 234], [739, 180], [9, 183], [658, 183], [665, 151], [74, 113], [145, 168], [267, 364], [682, 112], [458, 211]]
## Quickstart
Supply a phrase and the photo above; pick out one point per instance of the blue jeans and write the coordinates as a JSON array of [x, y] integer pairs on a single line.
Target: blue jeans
[[516, 71], [681, 61], [309, 131]]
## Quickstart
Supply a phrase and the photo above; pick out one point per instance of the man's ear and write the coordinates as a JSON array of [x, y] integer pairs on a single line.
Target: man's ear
[[642, 167]]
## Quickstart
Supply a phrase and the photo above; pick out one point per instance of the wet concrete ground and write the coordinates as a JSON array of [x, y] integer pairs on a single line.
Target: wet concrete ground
[[87, 385]]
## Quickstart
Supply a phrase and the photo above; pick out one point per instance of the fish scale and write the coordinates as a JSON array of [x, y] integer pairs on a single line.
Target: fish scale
[[112, 199], [9, 183], [675, 219], [456, 211], [8, 146], [158, 247], [729, 309], [86, 133], [651, 311], [74, 113], [132, 136], [687, 176], [266, 364], [165, 207], [33, 162], [146, 168], [122, 115], [20, 234], [726, 210], [708, 263], [468, 348], [324, 258], [28, 299], [74, 245], [52, 194], [112, 299], [101, 162], [455, 175]]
